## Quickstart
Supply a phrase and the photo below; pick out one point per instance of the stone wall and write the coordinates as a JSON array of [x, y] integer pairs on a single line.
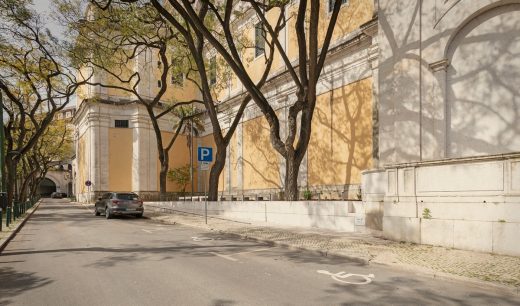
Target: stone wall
[[464, 203], [343, 216]]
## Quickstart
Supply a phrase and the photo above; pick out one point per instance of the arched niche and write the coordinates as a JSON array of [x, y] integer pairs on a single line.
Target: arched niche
[[483, 85]]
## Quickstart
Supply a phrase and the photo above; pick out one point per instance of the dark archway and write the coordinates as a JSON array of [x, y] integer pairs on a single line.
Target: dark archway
[[46, 187]]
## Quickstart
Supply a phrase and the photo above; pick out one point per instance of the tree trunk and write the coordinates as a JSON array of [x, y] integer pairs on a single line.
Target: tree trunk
[[11, 178], [292, 166], [216, 170], [24, 190], [164, 160]]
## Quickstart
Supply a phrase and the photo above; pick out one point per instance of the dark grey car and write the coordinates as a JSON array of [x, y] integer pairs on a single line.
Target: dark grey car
[[119, 203]]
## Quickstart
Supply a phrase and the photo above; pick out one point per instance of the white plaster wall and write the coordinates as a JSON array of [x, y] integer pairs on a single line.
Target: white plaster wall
[[447, 75], [483, 96]]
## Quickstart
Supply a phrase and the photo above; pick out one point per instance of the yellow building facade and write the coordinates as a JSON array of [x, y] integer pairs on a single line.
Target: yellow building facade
[[116, 146]]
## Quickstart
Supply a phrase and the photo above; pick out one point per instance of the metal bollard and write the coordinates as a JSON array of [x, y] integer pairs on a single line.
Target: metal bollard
[[8, 217], [1, 216]]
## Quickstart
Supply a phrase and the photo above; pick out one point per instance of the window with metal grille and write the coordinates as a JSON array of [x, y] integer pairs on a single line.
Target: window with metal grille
[[259, 40], [177, 78], [213, 71], [121, 123]]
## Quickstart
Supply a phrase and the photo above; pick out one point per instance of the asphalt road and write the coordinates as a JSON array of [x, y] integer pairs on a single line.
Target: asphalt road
[[65, 255]]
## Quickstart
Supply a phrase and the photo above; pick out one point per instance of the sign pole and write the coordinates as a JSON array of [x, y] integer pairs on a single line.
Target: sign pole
[[205, 200], [205, 157]]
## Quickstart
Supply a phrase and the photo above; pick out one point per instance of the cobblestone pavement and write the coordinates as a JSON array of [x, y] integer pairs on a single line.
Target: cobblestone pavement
[[424, 259]]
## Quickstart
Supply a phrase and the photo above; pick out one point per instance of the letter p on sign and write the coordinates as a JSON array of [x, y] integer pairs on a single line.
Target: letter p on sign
[[205, 154]]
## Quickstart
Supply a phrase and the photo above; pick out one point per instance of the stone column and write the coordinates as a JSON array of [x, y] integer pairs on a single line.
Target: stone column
[[239, 153], [143, 167], [435, 111], [104, 124], [373, 59]]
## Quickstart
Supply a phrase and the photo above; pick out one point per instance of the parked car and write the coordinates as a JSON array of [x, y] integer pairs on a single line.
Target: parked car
[[56, 195], [119, 203]]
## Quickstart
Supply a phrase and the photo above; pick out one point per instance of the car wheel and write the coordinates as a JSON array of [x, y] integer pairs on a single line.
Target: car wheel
[[108, 215], [139, 216], [96, 212]]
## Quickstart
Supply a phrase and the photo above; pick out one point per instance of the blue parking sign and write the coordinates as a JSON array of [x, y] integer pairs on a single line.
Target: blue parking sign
[[205, 154]]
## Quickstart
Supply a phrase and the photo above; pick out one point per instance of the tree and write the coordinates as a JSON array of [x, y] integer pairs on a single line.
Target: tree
[[111, 41], [304, 74], [36, 81], [54, 146], [193, 126], [196, 44], [181, 176]]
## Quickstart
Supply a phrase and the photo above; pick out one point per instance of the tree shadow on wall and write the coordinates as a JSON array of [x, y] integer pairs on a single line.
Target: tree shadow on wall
[[263, 159], [341, 141], [482, 107]]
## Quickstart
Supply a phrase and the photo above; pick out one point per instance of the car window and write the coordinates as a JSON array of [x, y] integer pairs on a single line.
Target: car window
[[127, 196]]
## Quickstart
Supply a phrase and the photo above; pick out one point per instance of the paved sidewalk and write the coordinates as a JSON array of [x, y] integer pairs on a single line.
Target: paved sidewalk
[[423, 259], [8, 231]]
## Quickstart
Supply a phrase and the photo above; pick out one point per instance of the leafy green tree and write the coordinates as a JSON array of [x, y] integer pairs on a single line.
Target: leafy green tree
[[54, 146], [36, 81], [211, 24], [110, 42], [181, 176]]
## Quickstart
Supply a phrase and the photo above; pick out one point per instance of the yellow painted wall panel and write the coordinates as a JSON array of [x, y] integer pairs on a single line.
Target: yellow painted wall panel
[[179, 155], [120, 150], [341, 139], [234, 156], [351, 16], [260, 161]]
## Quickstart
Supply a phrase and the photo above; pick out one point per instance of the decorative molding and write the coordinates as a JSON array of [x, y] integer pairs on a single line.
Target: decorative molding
[[440, 65], [442, 8]]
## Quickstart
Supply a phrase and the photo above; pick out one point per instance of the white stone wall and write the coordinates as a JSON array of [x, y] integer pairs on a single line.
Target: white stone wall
[[343, 216], [471, 204]]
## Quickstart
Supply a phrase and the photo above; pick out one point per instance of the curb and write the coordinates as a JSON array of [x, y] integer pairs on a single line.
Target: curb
[[362, 260], [18, 227], [288, 246]]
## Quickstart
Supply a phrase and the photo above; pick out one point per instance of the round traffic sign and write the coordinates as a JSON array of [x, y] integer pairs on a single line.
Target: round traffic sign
[[88, 183]]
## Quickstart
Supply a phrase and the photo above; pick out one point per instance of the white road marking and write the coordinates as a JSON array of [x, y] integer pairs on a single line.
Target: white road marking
[[340, 276], [224, 256], [229, 257], [248, 252], [152, 230], [201, 238]]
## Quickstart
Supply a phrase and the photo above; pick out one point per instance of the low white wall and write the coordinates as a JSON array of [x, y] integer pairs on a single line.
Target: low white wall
[[373, 190], [471, 204], [344, 216]]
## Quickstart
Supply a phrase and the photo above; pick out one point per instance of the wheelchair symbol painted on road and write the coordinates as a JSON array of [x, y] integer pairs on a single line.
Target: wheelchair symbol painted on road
[[341, 276]]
